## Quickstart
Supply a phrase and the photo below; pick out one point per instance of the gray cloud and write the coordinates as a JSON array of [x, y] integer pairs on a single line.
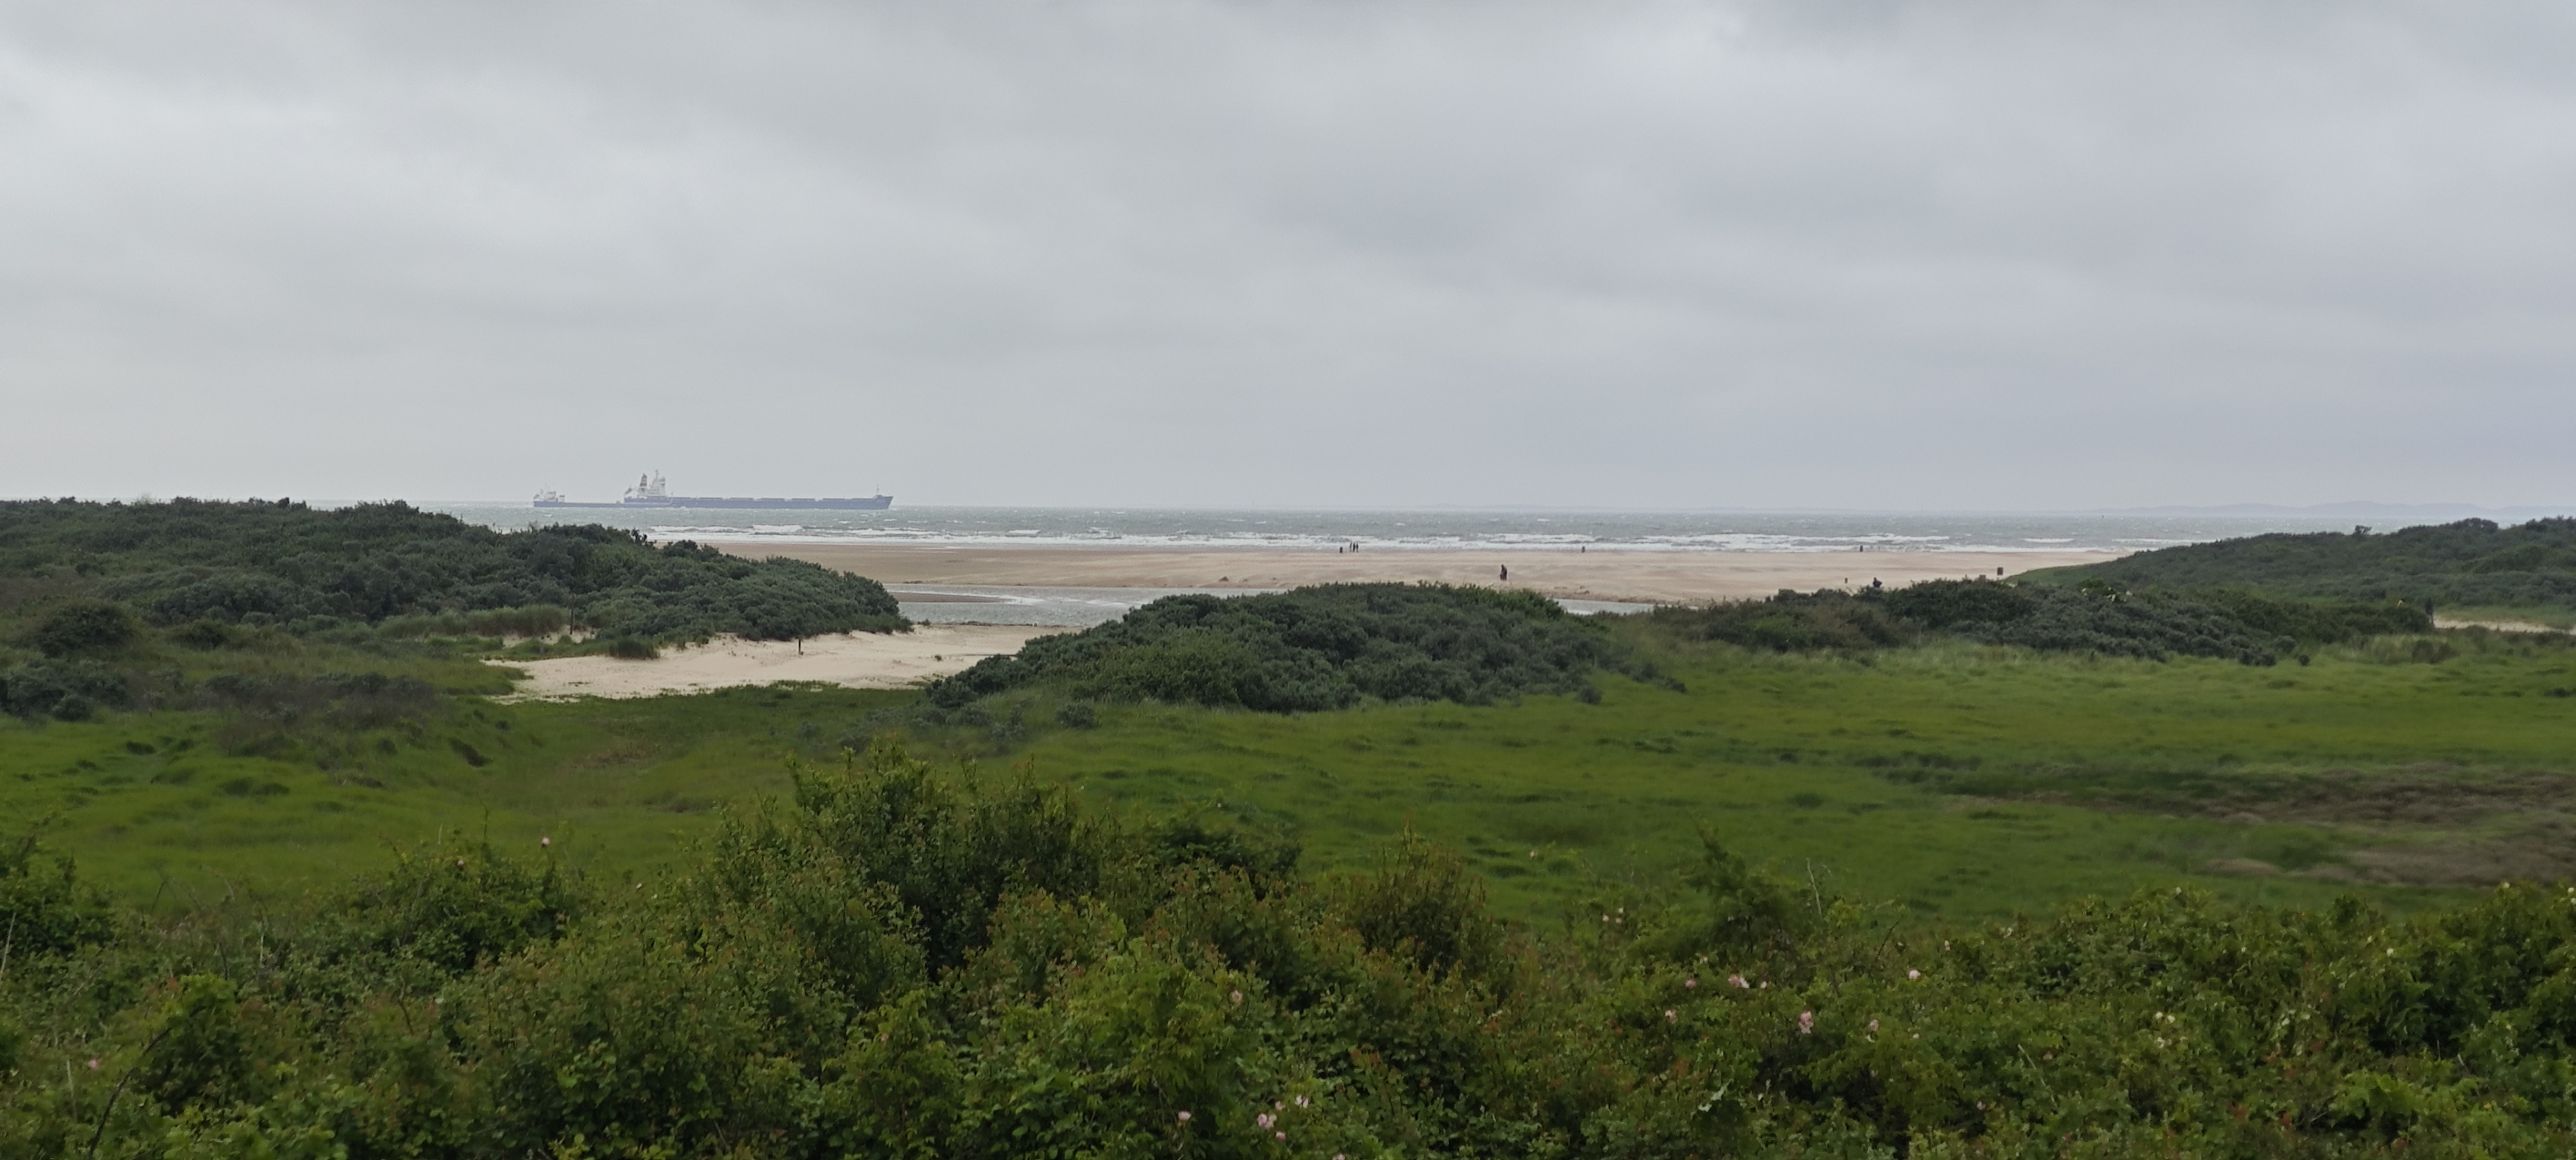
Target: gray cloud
[[1668, 254]]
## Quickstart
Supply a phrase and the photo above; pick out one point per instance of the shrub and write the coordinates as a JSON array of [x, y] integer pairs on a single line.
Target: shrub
[[83, 626], [69, 690], [44, 907], [1323, 647], [626, 646]]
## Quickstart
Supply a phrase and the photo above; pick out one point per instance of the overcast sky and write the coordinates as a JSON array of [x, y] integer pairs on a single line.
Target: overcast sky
[[1340, 254]]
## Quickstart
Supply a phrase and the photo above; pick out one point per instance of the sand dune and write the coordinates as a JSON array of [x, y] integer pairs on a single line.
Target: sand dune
[[1653, 577], [863, 660]]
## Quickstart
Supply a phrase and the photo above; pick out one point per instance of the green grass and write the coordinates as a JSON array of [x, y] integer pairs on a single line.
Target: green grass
[[1837, 768], [154, 806], [1952, 779]]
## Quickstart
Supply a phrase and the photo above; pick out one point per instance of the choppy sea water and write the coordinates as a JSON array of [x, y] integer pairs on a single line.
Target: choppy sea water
[[1600, 531], [1424, 530]]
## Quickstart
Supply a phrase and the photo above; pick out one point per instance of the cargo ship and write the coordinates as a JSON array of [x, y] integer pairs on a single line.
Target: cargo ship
[[650, 492]]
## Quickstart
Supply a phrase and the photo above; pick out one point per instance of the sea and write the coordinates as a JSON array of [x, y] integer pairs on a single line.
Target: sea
[[1606, 531], [1628, 531]]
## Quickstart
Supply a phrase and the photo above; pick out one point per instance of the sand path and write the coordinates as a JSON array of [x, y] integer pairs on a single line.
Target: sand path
[[864, 660], [1649, 577]]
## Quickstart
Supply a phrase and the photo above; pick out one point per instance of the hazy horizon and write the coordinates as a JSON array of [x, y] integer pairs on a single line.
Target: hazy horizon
[[1640, 255]]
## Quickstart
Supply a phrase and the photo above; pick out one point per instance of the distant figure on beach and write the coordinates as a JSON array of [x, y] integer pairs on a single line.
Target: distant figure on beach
[[1507, 572], [1999, 571]]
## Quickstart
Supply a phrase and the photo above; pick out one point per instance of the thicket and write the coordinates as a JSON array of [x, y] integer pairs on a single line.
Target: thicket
[[2096, 617], [1324, 647], [91, 594], [894, 966], [2473, 562], [186, 561]]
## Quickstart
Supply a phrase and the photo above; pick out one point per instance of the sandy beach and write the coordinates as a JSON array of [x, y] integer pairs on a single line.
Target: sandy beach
[[1649, 577], [863, 660]]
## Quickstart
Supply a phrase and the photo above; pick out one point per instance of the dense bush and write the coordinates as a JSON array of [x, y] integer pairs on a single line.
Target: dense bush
[[2232, 623], [1788, 622], [81, 626], [1324, 647], [205, 565], [895, 966], [2468, 563], [71, 690]]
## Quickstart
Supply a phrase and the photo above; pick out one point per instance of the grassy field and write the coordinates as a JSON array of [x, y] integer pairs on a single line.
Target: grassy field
[[158, 806], [1959, 780], [1952, 779]]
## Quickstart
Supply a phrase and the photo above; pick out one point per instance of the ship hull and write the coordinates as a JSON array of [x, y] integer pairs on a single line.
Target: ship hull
[[874, 503]]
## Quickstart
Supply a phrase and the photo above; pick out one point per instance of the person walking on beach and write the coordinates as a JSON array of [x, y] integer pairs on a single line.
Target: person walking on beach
[[1507, 572]]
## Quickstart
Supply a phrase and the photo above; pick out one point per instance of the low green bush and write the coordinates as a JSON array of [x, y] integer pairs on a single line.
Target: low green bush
[[1324, 647], [405, 572], [2096, 617]]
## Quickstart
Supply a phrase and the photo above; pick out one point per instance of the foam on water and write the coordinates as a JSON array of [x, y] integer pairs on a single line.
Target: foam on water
[[1452, 530]]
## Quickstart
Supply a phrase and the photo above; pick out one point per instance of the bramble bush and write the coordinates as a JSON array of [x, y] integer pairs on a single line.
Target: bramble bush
[[895, 964]]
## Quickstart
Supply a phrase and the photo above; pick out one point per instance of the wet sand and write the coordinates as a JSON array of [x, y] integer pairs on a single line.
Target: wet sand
[[863, 660], [1648, 577]]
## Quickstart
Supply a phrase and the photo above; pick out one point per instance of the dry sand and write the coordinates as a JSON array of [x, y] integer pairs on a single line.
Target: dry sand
[[865, 660], [1650, 577], [2499, 625]]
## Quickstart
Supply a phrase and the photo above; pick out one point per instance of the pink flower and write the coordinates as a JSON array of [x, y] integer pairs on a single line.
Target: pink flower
[[1237, 996], [1669, 1015], [1276, 1106], [93, 1065], [1282, 1137], [1690, 984], [1263, 1120], [1873, 1026], [1738, 982], [1913, 974], [1185, 1117], [1301, 1101], [545, 841], [1806, 1022]]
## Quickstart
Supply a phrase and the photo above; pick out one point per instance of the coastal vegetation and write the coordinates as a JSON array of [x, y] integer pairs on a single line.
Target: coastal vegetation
[[91, 583], [2472, 564], [2094, 618], [1329, 646], [2090, 866], [892, 962]]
